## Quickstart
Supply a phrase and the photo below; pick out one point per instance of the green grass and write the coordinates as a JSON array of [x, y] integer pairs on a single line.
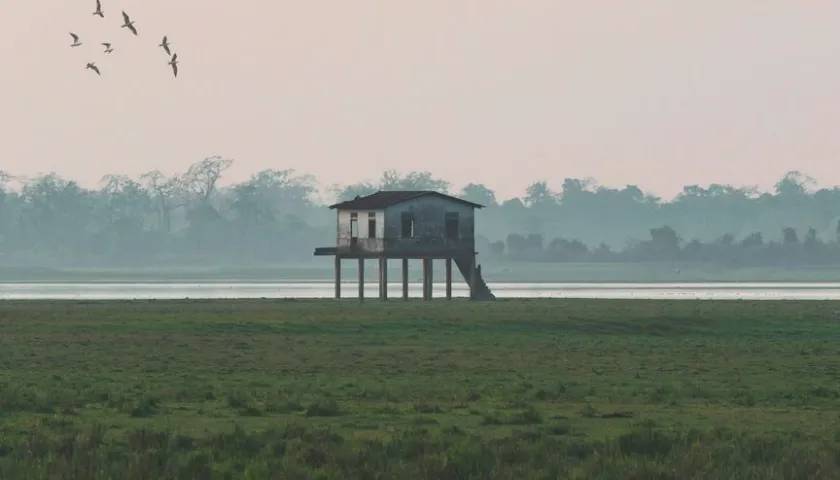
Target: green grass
[[508, 389]]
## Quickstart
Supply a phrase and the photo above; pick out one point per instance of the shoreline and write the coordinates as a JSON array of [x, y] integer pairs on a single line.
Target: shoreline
[[494, 272]]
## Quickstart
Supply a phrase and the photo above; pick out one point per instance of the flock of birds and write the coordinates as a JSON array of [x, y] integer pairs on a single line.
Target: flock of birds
[[129, 24]]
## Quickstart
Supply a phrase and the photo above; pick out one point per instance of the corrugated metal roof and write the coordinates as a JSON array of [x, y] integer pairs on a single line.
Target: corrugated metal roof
[[383, 199]]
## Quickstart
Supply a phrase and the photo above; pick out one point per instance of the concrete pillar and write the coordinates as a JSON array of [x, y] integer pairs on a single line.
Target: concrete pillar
[[405, 278], [383, 278], [428, 274], [337, 276], [449, 279], [361, 279], [424, 275]]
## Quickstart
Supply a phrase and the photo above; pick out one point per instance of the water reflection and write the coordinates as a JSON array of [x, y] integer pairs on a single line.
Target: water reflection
[[671, 291]]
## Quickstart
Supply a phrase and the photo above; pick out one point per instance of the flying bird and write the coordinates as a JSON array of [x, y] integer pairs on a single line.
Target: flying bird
[[92, 66], [108, 48], [76, 41], [99, 9], [174, 64], [165, 45], [128, 23]]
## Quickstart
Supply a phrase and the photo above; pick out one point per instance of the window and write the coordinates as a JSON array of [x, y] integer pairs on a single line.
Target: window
[[372, 225], [354, 225], [452, 225], [407, 225]]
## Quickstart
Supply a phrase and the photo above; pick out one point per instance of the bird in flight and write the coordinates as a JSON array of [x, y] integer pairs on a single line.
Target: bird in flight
[[99, 9], [108, 48], [76, 41], [165, 45], [174, 64], [128, 23], [92, 66]]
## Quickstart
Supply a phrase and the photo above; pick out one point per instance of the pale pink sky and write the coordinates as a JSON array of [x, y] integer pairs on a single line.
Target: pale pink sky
[[658, 93]]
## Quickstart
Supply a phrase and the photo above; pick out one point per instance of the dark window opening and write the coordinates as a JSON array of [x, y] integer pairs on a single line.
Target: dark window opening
[[407, 225], [452, 225], [354, 226], [372, 225]]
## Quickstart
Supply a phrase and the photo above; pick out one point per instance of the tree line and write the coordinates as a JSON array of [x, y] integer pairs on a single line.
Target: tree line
[[279, 216], [665, 245]]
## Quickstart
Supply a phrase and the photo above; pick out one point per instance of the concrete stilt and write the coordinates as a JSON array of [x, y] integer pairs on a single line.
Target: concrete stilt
[[449, 279], [405, 278], [428, 274], [383, 278], [337, 276], [361, 279]]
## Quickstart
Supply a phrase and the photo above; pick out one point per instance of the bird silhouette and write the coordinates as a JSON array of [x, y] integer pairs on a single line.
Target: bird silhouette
[[174, 64], [165, 45], [128, 23], [92, 66], [108, 48], [76, 41], [98, 11]]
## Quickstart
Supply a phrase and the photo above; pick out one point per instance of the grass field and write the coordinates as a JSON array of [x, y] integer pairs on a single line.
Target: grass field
[[509, 389]]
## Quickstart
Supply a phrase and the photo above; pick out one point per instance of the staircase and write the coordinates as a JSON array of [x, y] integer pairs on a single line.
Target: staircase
[[479, 291]]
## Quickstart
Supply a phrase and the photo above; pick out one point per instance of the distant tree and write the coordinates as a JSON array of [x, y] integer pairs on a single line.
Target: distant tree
[[202, 177], [794, 184], [664, 240], [269, 193], [811, 241], [391, 180], [513, 205], [534, 242], [837, 233], [538, 194], [516, 245], [789, 236], [664, 244], [283, 190], [633, 193], [248, 205], [126, 200], [694, 250], [349, 192], [561, 249], [478, 193], [752, 240], [167, 194], [122, 207], [528, 247], [5, 214], [726, 240], [574, 188], [56, 214]]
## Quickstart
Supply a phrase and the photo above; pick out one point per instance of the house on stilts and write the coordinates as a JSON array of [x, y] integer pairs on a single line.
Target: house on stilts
[[406, 225]]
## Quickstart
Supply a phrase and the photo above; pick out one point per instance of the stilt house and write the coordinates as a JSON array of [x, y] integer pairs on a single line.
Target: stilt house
[[407, 225]]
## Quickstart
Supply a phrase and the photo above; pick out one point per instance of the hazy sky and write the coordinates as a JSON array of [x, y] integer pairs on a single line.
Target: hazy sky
[[657, 93]]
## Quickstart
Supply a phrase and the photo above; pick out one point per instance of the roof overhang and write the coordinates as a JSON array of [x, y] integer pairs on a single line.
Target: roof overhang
[[385, 199]]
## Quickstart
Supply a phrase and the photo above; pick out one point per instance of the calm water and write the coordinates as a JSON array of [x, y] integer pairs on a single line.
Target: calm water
[[674, 291]]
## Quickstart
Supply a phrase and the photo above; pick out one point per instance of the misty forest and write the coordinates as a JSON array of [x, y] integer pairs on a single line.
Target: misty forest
[[279, 216]]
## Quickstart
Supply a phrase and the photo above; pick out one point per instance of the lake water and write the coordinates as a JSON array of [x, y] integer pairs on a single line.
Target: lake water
[[670, 291]]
